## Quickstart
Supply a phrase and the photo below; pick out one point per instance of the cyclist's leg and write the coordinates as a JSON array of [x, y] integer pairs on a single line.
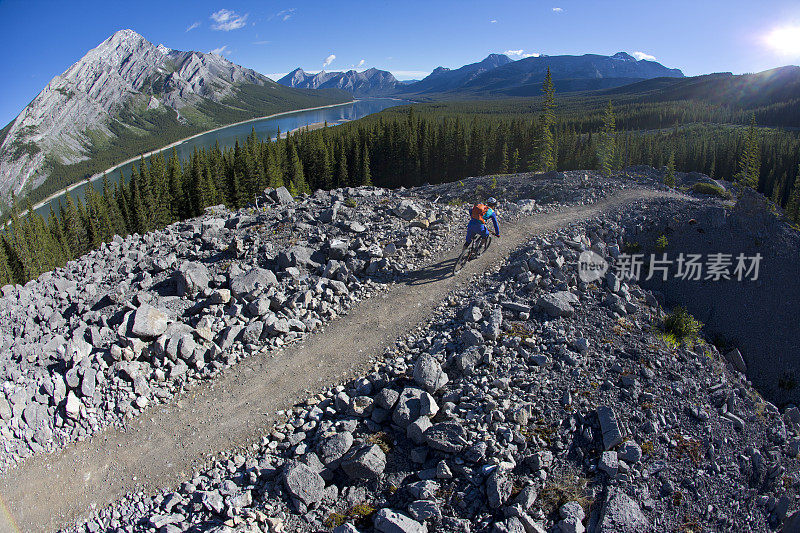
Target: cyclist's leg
[[473, 228]]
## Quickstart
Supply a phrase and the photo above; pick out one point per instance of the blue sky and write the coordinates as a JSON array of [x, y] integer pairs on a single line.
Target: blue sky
[[42, 38]]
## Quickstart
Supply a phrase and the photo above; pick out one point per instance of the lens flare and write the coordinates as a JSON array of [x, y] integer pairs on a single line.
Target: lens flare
[[785, 40]]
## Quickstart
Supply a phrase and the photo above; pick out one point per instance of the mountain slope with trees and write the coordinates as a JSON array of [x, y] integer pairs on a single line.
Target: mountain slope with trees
[[128, 96]]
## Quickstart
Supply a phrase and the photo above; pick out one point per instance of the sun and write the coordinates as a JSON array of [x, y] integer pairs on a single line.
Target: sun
[[784, 40]]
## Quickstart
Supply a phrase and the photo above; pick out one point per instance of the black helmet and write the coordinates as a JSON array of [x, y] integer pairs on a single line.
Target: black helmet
[[491, 201]]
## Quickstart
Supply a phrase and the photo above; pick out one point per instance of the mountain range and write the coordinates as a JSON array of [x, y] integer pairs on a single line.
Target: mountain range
[[496, 75], [371, 82], [128, 96]]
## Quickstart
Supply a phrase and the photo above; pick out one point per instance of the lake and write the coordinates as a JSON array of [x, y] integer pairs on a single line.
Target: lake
[[227, 136]]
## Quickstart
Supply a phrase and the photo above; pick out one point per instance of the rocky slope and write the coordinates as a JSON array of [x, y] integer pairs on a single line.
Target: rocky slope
[[106, 92], [532, 401], [371, 82], [136, 321]]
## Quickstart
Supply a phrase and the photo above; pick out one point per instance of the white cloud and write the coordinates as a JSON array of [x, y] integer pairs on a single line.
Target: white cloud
[[642, 55], [360, 63], [227, 20], [221, 50], [284, 15], [493, 21], [275, 76], [521, 53], [328, 60], [558, 10], [261, 42], [193, 26]]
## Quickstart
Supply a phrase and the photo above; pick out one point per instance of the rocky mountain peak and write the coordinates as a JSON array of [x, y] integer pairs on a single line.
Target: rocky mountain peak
[[623, 56], [124, 71]]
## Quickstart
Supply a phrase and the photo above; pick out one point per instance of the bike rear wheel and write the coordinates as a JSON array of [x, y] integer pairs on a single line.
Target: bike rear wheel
[[462, 258], [485, 244]]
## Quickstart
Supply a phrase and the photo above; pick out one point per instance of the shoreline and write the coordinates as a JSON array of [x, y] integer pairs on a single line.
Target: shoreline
[[99, 175]]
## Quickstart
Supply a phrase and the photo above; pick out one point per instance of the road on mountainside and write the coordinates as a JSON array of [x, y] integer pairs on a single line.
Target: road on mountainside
[[167, 443]]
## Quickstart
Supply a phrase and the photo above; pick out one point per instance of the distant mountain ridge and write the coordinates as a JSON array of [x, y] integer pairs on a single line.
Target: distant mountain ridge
[[443, 79], [129, 94], [495, 75], [371, 82], [769, 87], [570, 73]]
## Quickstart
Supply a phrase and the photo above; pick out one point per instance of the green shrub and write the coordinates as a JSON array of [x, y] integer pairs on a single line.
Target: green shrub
[[681, 325], [711, 190]]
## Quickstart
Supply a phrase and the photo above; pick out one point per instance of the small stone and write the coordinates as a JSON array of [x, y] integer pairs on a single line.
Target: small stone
[[609, 464]]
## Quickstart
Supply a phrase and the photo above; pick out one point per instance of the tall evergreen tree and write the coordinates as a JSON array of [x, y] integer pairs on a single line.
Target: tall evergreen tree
[[669, 179], [366, 173], [793, 204], [607, 151], [750, 160], [547, 158]]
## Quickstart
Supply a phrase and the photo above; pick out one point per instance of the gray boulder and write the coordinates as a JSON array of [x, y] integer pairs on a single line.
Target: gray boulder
[[498, 488], [191, 279], [282, 196], [621, 514], [466, 361], [608, 425], [367, 462], [332, 448], [303, 483], [428, 374], [412, 404], [149, 322], [256, 279], [558, 303], [389, 521], [449, 437]]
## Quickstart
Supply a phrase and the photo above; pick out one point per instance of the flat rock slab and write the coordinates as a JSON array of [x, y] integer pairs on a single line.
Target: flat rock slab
[[449, 437], [149, 322], [621, 514], [558, 303], [609, 426]]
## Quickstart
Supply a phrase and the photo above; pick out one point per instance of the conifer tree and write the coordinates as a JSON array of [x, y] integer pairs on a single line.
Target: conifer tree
[[793, 204], [365, 174], [607, 151], [547, 158], [750, 160], [669, 179], [296, 174], [342, 177], [69, 223]]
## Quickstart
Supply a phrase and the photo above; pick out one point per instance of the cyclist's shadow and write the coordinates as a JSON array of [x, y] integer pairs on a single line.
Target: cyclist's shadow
[[431, 273]]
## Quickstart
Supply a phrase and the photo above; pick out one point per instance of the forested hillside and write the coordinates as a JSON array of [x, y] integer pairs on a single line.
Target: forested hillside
[[406, 146]]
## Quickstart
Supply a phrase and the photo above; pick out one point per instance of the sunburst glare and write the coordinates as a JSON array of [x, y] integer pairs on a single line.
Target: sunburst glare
[[785, 40]]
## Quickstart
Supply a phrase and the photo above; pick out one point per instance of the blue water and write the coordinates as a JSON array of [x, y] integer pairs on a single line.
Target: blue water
[[266, 128]]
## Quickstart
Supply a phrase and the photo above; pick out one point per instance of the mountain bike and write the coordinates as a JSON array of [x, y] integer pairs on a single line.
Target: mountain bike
[[478, 245]]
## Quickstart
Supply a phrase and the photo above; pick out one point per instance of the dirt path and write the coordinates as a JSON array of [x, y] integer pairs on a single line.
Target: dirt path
[[165, 444]]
